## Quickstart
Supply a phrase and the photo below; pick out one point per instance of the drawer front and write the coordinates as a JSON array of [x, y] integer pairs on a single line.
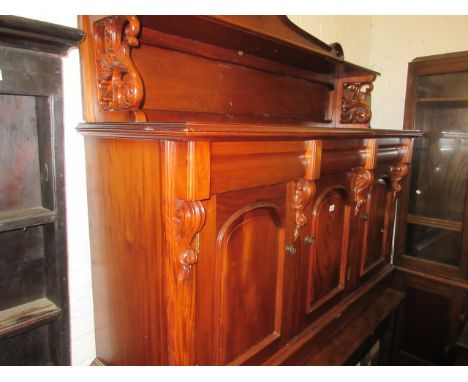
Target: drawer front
[[390, 151], [341, 155], [241, 165]]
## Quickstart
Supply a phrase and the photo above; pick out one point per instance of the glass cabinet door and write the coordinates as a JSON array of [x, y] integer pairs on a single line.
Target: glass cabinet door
[[438, 184]]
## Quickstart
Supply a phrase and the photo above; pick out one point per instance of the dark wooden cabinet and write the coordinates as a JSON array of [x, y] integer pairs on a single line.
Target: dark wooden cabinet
[[432, 236], [34, 309], [431, 321], [241, 208]]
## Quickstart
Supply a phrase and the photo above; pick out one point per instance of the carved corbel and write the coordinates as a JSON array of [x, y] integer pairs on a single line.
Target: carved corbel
[[119, 84], [302, 192], [190, 218], [397, 173], [354, 103], [361, 182]]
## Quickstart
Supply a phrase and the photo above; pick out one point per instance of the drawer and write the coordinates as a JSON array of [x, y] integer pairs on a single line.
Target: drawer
[[342, 155], [390, 151], [241, 165]]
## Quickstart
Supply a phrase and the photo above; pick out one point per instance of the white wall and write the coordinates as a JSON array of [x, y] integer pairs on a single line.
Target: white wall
[[383, 43], [387, 44]]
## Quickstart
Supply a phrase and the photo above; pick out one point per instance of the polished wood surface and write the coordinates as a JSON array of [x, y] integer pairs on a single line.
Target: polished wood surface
[[344, 347], [226, 56], [126, 261], [301, 348], [378, 228], [250, 248], [225, 216], [328, 257]]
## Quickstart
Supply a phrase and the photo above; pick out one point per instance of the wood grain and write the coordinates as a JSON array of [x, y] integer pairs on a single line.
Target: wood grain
[[223, 228], [328, 257], [127, 278]]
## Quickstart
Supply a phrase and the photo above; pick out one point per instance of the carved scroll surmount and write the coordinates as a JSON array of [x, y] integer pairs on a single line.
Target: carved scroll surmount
[[354, 105], [190, 218], [119, 84], [303, 191], [397, 173], [362, 180]]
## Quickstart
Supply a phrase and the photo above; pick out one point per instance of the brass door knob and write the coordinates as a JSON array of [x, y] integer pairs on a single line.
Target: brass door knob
[[290, 249], [309, 240]]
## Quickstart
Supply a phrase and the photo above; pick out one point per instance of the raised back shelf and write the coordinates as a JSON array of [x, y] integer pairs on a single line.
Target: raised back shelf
[[243, 69]]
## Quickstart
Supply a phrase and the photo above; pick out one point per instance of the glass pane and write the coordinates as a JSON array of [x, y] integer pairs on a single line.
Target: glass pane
[[439, 170], [432, 243], [450, 85], [20, 186]]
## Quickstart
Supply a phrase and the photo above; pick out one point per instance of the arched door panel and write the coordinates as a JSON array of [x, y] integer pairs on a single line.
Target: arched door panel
[[250, 254], [328, 254], [375, 219]]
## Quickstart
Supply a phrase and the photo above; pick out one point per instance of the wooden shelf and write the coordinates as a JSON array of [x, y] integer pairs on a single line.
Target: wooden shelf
[[27, 316], [26, 218], [358, 330], [454, 134], [436, 100], [450, 225]]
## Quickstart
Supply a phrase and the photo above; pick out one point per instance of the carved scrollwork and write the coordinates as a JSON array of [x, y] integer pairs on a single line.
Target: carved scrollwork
[[119, 84], [190, 218], [303, 191], [397, 173], [361, 182], [354, 104]]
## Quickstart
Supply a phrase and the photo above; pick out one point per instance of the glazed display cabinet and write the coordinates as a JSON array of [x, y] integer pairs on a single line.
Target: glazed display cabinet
[[432, 240], [34, 307]]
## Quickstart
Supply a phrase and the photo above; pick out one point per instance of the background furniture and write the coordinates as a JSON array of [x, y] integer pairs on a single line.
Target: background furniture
[[432, 240], [241, 209], [34, 317], [461, 348]]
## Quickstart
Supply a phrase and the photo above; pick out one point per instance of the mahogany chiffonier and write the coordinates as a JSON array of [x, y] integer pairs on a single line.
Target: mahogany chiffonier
[[241, 207]]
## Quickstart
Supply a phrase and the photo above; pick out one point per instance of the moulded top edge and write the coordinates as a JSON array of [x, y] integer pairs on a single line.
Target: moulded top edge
[[217, 131], [38, 35]]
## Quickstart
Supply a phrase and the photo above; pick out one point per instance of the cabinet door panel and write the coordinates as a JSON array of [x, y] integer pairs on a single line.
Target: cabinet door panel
[[374, 248], [426, 312], [249, 260], [328, 255], [250, 253]]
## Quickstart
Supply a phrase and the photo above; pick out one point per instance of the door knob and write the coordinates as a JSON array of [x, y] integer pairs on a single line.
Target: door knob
[[290, 249], [309, 240]]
